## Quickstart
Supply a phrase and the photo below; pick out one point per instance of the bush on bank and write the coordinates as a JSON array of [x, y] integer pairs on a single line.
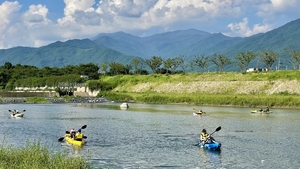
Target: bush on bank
[[36, 156]]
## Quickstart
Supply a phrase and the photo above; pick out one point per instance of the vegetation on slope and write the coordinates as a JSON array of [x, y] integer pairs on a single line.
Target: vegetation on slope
[[277, 89]]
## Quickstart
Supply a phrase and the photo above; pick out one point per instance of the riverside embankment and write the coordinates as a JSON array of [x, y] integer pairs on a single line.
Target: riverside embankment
[[276, 89]]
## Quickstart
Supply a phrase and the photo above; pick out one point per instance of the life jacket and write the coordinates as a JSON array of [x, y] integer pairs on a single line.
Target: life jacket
[[79, 136], [204, 136]]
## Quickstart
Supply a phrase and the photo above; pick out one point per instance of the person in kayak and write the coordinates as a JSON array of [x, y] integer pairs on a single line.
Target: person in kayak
[[72, 133], [78, 135], [267, 109], [205, 137]]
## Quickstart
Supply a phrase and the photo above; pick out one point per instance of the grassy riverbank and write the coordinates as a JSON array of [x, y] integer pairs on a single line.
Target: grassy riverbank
[[275, 89], [36, 156]]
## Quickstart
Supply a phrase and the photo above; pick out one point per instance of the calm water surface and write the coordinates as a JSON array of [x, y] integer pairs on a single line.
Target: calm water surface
[[160, 136]]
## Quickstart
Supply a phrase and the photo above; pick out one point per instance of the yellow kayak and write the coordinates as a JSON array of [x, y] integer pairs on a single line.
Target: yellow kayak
[[74, 142]]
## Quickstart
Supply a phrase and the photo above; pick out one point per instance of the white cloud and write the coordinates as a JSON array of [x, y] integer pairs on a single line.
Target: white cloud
[[8, 16], [36, 14], [87, 18], [242, 29]]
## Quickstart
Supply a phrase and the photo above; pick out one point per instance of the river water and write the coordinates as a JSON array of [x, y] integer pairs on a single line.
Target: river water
[[159, 136]]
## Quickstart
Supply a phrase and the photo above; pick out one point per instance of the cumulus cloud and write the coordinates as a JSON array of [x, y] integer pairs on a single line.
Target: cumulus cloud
[[87, 18], [242, 28], [36, 14], [8, 16]]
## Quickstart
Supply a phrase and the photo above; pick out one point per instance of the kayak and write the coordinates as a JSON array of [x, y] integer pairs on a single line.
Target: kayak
[[74, 142], [198, 113], [213, 145], [261, 112], [124, 106], [17, 115]]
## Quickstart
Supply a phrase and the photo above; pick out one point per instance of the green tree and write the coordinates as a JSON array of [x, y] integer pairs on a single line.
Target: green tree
[[175, 63], [180, 61], [221, 61], [201, 61], [118, 68], [294, 56], [104, 67], [268, 57], [154, 63], [243, 59], [135, 62], [90, 69], [168, 64], [7, 65], [4, 78]]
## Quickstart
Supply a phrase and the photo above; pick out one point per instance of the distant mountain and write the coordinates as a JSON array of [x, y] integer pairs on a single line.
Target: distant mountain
[[276, 40], [60, 54], [121, 47], [166, 45]]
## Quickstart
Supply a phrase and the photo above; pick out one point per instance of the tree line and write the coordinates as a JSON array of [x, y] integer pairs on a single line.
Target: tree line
[[12, 76], [180, 64]]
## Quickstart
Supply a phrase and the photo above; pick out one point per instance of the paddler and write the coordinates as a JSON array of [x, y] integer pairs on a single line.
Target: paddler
[[78, 135], [204, 136], [72, 133]]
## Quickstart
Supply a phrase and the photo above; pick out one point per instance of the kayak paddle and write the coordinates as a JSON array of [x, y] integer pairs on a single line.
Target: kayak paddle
[[217, 129], [83, 127], [61, 139], [11, 111]]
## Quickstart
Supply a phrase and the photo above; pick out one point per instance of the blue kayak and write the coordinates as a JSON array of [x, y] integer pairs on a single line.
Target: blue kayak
[[212, 145]]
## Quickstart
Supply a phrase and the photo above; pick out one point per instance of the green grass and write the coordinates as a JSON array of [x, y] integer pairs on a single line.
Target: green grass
[[287, 101], [37, 100], [36, 156], [253, 97], [211, 76]]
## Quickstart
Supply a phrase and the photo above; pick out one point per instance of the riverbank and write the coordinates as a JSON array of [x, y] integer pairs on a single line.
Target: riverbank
[[280, 89], [273, 89]]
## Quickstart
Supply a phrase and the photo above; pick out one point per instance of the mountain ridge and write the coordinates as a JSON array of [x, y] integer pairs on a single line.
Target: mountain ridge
[[122, 47]]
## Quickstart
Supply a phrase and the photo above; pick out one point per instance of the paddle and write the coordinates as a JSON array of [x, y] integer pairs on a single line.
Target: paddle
[[11, 111], [217, 129], [67, 132], [15, 112]]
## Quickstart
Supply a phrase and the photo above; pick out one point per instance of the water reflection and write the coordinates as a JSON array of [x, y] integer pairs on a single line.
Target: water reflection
[[210, 158]]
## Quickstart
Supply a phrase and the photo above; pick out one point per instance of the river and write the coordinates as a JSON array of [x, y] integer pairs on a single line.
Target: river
[[159, 136]]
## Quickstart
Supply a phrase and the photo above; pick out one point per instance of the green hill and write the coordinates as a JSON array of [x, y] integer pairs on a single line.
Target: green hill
[[121, 47], [60, 54]]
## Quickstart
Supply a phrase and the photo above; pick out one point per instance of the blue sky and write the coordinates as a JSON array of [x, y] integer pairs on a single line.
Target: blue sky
[[36, 23]]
